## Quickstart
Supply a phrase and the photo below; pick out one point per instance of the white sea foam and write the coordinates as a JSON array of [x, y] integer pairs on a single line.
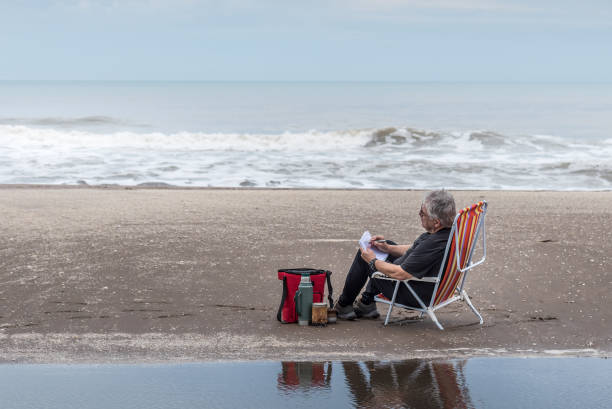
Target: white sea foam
[[27, 137], [354, 158]]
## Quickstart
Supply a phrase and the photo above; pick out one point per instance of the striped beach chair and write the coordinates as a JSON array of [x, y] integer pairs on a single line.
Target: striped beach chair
[[468, 226]]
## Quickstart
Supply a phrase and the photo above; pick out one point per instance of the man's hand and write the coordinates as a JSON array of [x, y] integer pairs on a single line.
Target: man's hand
[[376, 237], [380, 245], [367, 255]]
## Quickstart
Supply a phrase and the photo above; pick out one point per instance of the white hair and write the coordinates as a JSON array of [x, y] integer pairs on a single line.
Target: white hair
[[441, 205]]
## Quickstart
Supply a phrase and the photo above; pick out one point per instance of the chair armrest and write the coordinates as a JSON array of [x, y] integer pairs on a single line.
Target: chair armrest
[[381, 276]]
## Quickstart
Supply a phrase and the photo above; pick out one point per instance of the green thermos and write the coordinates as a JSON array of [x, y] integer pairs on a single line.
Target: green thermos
[[303, 300]]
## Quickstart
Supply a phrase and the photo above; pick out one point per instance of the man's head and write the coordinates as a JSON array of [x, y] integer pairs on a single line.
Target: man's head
[[437, 211]]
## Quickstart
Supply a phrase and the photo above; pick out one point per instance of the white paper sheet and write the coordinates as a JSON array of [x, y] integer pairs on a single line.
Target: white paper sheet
[[364, 243]]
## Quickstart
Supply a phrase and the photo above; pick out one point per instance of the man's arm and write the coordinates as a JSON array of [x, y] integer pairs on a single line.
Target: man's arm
[[396, 250], [392, 270], [388, 269]]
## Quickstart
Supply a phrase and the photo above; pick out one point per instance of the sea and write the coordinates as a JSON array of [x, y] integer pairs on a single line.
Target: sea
[[356, 135]]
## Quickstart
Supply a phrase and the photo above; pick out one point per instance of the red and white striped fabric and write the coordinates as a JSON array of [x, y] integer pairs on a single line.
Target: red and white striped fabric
[[466, 226]]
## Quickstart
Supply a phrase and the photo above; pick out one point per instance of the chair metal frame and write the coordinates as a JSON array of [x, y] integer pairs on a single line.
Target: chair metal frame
[[459, 234]]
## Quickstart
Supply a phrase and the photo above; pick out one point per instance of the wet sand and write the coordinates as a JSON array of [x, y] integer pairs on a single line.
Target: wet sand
[[151, 274]]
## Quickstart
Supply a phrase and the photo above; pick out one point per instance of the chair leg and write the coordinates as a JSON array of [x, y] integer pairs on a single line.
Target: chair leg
[[467, 300], [388, 314], [434, 319], [392, 303]]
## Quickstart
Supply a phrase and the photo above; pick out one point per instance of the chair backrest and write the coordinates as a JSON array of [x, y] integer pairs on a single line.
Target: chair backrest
[[467, 227]]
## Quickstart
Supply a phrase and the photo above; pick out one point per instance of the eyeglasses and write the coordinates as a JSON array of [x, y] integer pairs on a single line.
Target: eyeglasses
[[423, 214]]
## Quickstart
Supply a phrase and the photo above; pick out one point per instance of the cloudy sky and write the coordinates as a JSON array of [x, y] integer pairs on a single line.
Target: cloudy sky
[[310, 40]]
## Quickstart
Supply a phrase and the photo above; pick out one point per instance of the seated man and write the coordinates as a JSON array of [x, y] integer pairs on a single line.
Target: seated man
[[422, 259]]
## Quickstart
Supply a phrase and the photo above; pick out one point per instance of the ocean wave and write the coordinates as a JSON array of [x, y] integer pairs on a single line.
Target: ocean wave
[[19, 135], [382, 138], [392, 157], [401, 136]]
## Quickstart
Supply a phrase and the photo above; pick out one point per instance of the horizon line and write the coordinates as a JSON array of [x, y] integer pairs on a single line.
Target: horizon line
[[317, 81]]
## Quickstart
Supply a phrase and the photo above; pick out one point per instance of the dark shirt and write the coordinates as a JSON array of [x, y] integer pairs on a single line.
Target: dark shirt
[[423, 259]]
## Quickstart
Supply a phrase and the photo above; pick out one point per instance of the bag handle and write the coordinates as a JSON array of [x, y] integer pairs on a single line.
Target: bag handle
[[279, 314], [330, 290]]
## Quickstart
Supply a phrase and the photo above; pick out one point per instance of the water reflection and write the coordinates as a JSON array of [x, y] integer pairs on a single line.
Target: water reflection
[[500, 383], [304, 375], [413, 384]]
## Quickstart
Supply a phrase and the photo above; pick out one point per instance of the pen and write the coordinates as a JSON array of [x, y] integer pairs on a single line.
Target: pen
[[380, 241]]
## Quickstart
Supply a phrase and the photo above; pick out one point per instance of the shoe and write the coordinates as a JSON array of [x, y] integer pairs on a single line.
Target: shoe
[[345, 313], [366, 310]]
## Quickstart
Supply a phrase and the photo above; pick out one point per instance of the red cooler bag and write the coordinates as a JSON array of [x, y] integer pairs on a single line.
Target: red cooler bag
[[291, 280]]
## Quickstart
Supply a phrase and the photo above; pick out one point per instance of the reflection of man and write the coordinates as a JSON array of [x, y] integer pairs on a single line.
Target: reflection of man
[[421, 259], [412, 384]]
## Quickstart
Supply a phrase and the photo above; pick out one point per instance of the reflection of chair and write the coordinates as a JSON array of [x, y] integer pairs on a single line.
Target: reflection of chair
[[467, 227]]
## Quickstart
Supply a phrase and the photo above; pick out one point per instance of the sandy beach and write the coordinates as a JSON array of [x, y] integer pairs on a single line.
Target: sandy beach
[[154, 275]]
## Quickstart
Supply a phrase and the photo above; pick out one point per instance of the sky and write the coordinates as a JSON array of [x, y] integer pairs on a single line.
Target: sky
[[311, 40]]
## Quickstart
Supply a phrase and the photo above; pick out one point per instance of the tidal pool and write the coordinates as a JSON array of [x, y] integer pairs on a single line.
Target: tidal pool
[[465, 383]]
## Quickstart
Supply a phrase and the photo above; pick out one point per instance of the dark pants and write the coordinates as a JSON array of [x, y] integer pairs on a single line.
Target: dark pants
[[360, 272]]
